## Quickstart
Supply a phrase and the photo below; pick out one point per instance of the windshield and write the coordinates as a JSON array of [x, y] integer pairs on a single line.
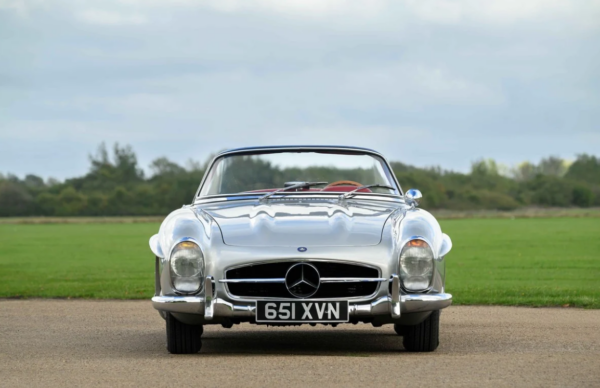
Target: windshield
[[294, 171]]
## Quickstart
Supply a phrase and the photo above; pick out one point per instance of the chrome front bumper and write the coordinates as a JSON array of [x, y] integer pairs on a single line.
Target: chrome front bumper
[[221, 308], [211, 306]]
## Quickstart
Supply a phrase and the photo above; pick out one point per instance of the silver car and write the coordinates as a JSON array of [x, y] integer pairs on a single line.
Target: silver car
[[301, 235]]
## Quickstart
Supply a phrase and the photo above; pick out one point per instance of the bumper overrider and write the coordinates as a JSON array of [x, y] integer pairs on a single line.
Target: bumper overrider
[[393, 305]]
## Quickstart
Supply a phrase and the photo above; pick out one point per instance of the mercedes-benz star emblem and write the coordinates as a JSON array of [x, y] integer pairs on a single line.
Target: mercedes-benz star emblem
[[302, 280]]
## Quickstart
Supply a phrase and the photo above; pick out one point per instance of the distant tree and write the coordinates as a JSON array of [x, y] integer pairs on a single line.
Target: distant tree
[[487, 175], [46, 204], [101, 159], [116, 185], [96, 205], [120, 202], [145, 202], [106, 174], [583, 196], [34, 182], [596, 191], [485, 199], [194, 165], [52, 182], [164, 167], [553, 166], [250, 173], [399, 167], [586, 169], [429, 181], [125, 162], [14, 200], [550, 190], [484, 167], [71, 202], [524, 172]]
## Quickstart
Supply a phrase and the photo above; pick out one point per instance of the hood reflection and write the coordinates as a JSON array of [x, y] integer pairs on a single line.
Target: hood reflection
[[300, 222]]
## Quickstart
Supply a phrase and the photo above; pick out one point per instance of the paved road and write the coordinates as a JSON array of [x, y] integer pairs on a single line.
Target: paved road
[[122, 343]]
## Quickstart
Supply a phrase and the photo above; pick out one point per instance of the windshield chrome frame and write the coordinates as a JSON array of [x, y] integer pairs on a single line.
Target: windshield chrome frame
[[282, 149]]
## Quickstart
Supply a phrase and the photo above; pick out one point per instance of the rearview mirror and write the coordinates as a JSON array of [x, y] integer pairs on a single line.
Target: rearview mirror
[[412, 197]]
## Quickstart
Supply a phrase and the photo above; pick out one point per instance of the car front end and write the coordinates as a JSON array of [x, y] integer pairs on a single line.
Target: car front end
[[300, 257]]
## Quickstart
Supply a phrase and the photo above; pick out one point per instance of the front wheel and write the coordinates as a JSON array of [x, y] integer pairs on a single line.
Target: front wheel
[[183, 338], [423, 337]]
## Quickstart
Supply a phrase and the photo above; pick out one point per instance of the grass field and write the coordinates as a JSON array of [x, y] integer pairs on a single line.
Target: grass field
[[535, 262]]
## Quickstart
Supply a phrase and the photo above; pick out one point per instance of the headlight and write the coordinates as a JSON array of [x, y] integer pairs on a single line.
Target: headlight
[[187, 267], [416, 265]]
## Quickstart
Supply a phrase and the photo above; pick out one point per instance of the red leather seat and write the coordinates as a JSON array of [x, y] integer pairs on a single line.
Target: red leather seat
[[340, 189], [346, 189]]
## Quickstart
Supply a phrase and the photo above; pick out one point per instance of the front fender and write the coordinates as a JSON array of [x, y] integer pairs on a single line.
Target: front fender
[[179, 225], [182, 224], [446, 245], [420, 223]]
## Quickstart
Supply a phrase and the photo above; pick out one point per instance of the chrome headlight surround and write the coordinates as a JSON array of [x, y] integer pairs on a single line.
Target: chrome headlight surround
[[416, 265], [186, 265]]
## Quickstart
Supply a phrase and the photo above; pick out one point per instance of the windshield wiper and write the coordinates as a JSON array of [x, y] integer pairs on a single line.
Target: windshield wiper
[[292, 187], [354, 192]]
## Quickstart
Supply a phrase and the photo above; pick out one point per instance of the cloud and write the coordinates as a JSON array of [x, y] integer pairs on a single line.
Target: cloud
[[312, 9], [428, 81], [498, 12], [102, 17], [18, 6], [581, 13]]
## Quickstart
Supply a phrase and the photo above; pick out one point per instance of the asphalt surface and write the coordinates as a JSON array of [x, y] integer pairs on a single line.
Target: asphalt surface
[[122, 343]]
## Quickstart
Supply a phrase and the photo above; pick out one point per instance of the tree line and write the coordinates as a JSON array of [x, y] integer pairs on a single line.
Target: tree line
[[115, 185]]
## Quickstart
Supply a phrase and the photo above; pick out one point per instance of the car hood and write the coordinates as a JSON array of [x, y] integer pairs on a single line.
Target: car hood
[[301, 223]]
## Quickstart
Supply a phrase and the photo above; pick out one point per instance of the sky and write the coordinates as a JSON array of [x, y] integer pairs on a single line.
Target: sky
[[425, 82]]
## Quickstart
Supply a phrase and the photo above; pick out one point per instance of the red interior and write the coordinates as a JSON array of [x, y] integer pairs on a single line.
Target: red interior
[[340, 188], [343, 188]]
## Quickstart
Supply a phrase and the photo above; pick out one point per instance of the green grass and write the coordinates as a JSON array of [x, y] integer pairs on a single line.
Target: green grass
[[77, 260], [530, 262], [533, 262]]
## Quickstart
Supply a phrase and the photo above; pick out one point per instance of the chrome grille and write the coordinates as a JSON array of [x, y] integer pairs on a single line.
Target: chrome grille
[[338, 280]]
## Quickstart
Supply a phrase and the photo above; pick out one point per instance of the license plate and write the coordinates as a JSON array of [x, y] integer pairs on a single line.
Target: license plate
[[302, 311]]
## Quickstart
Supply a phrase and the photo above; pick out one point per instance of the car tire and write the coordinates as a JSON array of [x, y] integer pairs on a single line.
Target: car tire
[[424, 337], [183, 338]]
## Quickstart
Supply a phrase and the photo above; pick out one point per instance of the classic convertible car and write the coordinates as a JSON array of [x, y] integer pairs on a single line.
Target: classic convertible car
[[298, 235]]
